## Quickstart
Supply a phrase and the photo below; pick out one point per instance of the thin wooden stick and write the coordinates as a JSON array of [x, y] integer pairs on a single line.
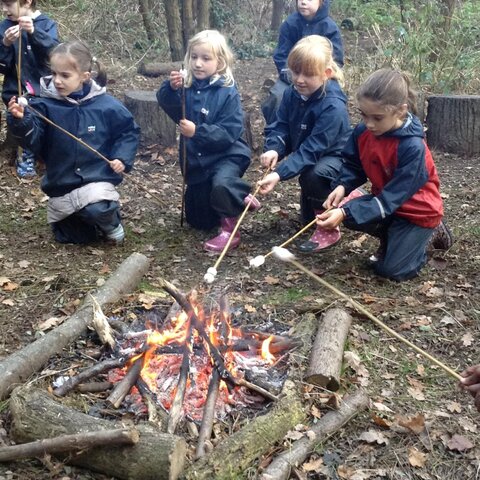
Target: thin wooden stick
[[67, 443], [125, 385], [239, 221], [93, 150], [360, 308], [184, 153]]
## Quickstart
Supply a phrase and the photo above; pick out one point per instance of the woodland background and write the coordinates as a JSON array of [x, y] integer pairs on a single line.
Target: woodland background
[[438, 43]]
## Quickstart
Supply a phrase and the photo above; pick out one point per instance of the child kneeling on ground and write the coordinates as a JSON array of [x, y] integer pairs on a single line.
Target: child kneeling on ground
[[84, 204], [216, 154], [405, 208]]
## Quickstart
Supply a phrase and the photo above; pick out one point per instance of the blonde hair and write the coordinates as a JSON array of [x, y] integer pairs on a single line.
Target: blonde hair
[[390, 88], [220, 50], [312, 55]]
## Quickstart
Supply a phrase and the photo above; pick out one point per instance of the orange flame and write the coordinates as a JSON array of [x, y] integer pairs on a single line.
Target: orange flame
[[266, 355]]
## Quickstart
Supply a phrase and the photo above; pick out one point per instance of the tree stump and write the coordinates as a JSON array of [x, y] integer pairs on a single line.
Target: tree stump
[[453, 123], [327, 352], [156, 126], [156, 456]]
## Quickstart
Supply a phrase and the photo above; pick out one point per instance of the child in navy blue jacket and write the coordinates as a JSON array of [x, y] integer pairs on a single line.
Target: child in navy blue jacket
[[84, 204], [39, 36], [217, 156], [388, 148], [311, 18], [310, 132]]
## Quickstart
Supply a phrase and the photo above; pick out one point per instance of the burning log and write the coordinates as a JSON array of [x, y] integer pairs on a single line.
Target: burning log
[[88, 373], [156, 456], [125, 385], [327, 352], [208, 414], [19, 366], [214, 352], [156, 413], [326, 426], [234, 454], [176, 409], [69, 443]]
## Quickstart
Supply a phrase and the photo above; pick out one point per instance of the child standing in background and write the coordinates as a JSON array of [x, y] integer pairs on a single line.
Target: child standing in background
[[311, 18], [39, 36], [388, 148], [217, 156], [311, 130], [84, 204]]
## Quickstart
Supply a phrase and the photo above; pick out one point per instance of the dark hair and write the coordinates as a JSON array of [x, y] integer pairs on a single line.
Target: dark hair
[[33, 4], [390, 88], [83, 59]]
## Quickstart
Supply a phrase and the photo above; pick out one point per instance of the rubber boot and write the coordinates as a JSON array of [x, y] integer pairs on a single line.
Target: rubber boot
[[321, 238], [441, 239], [358, 192], [217, 244], [254, 205]]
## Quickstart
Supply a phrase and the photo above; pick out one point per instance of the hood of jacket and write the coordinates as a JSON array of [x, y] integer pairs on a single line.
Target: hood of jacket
[[412, 127], [48, 90]]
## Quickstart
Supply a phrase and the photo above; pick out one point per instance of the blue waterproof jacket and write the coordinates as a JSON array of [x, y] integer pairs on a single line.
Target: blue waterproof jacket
[[295, 27], [98, 119], [307, 130], [217, 113], [35, 56]]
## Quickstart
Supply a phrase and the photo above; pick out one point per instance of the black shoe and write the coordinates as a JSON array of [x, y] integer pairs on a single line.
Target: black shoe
[[441, 239]]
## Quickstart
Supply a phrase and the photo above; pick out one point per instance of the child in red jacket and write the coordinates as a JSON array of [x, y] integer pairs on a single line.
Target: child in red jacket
[[388, 148]]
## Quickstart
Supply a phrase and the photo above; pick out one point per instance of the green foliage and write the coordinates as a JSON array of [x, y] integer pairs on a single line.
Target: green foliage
[[442, 55]]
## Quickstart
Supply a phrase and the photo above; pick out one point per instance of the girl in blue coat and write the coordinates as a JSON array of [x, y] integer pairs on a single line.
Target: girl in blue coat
[[217, 155], [84, 204], [38, 36], [311, 18], [311, 130]]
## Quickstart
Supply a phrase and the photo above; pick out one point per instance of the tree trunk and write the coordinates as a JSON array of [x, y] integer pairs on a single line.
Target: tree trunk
[[203, 15], [16, 368], [453, 123], [187, 16], [145, 11], [156, 456], [326, 426], [277, 14], [174, 27], [156, 126], [327, 352]]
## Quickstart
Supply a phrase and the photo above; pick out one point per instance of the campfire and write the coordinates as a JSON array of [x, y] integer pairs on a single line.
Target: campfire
[[248, 355]]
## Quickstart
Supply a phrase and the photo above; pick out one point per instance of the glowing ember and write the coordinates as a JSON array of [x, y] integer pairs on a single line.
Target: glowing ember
[[164, 353]]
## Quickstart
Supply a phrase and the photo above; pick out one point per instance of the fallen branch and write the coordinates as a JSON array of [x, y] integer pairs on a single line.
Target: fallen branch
[[19, 366], [68, 443], [156, 456], [326, 426]]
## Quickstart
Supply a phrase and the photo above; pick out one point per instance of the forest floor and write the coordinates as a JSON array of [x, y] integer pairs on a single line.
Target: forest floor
[[439, 310]]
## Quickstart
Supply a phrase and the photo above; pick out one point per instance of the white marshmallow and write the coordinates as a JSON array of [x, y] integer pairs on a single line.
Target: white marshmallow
[[209, 277], [22, 101], [283, 254], [258, 261]]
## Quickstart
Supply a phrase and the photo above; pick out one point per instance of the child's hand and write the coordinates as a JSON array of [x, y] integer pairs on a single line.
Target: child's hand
[[26, 23], [15, 109], [269, 159], [187, 128], [471, 383], [268, 183], [10, 36], [117, 165], [335, 197], [331, 219], [176, 80]]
